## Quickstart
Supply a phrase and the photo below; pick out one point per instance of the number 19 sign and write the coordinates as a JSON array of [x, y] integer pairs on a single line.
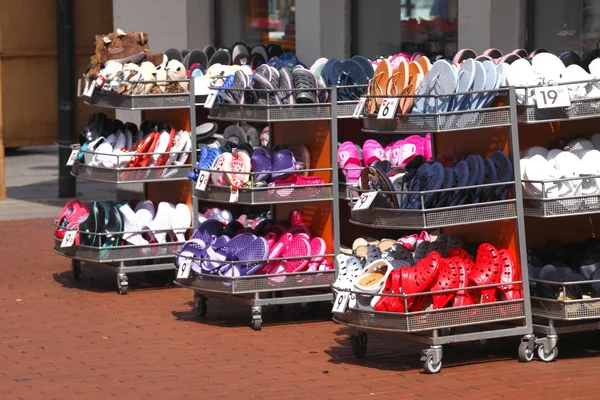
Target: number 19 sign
[[552, 96]]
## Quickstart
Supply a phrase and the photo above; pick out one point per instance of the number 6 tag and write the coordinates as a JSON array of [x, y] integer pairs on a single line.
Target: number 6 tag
[[185, 268], [388, 108]]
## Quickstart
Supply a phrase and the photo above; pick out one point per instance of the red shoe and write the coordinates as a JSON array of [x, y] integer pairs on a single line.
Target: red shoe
[[448, 277], [464, 256], [392, 286], [509, 274], [463, 297], [486, 271], [418, 278]]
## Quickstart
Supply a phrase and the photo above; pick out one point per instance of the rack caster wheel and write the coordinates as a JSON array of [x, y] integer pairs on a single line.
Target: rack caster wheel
[[431, 367], [76, 269], [525, 353], [256, 318], [482, 345], [200, 305], [547, 357], [359, 342], [432, 359], [122, 283]]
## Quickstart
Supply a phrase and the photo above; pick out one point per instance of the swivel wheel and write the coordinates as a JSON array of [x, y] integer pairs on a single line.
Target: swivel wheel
[[256, 323], [76, 269], [359, 342], [482, 345], [122, 283], [547, 357], [431, 367], [200, 305], [525, 352]]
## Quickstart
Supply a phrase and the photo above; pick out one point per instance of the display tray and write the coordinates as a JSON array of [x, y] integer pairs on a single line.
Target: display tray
[[386, 218], [269, 195], [561, 207], [118, 253], [348, 192], [258, 283], [568, 310], [131, 175], [579, 109], [489, 117], [271, 113], [429, 320], [141, 101]]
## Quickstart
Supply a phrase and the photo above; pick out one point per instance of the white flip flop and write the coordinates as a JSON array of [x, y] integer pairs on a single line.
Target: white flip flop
[[568, 165], [590, 165], [181, 222], [521, 73], [130, 224], [144, 213], [536, 150], [538, 169], [552, 154], [549, 67]]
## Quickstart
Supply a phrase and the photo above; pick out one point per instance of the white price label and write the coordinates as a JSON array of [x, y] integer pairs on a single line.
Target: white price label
[[202, 181], [388, 108], [69, 239], [90, 86], [234, 196], [359, 107], [185, 268], [210, 99], [340, 304], [72, 157], [552, 96], [364, 201]]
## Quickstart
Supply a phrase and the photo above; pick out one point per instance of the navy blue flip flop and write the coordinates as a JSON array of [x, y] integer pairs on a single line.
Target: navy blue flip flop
[[461, 179], [419, 183], [366, 65], [505, 173], [444, 197], [490, 177], [475, 175]]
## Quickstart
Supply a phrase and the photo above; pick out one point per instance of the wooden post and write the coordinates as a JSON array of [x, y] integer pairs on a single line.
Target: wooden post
[[2, 169]]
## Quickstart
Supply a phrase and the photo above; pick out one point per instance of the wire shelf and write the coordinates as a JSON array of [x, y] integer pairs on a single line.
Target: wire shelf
[[274, 113], [568, 310], [385, 218], [118, 253], [436, 319], [140, 101], [259, 283], [131, 175]]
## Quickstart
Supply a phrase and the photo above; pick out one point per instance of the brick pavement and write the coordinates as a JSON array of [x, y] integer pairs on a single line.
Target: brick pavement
[[61, 340]]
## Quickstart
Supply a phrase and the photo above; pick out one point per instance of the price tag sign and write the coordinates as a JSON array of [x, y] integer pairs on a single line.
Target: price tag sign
[[364, 201], [359, 108], [340, 303], [72, 157], [210, 99], [552, 96], [185, 268], [388, 108], [202, 181], [234, 196], [69, 239], [90, 86]]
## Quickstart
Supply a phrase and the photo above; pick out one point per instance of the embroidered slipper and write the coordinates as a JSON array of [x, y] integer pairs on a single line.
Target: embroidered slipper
[[224, 163]]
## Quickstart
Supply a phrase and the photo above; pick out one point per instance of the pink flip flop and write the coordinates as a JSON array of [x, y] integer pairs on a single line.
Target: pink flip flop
[[348, 157], [275, 252], [373, 151], [223, 164], [300, 247]]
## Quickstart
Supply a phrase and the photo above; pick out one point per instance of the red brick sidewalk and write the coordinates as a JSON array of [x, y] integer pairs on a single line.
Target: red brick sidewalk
[[64, 340]]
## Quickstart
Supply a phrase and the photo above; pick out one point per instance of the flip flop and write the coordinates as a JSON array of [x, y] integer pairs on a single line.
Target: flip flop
[[461, 179], [466, 77], [444, 197], [380, 81], [463, 55], [374, 179], [93, 224], [504, 172]]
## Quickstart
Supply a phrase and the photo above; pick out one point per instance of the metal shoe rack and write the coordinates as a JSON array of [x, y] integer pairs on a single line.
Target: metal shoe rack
[[290, 288], [477, 323], [563, 315], [123, 260]]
